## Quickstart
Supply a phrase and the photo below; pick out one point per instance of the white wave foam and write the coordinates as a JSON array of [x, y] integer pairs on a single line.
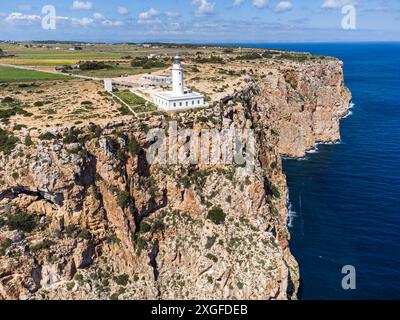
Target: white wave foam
[[349, 114], [292, 215], [314, 150]]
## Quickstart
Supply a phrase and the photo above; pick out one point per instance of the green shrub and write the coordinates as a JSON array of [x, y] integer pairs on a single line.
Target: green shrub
[[8, 142], [4, 245], [45, 244], [144, 227], [275, 192], [72, 136], [123, 199], [141, 244], [146, 63], [210, 242], [7, 100], [212, 257], [47, 136], [121, 280], [93, 65], [134, 146], [38, 104], [114, 296], [84, 234], [70, 285], [212, 59], [22, 221], [216, 215], [158, 226], [28, 141], [69, 230]]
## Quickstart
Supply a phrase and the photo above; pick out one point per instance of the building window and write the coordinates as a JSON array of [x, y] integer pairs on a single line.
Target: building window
[[174, 104], [198, 101], [187, 103], [192, 102], [180, 104]]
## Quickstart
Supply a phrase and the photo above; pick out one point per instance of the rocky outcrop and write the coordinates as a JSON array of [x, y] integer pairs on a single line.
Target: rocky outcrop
[[97, 221]]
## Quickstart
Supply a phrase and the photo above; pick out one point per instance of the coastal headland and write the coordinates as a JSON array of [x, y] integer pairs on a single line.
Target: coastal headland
[[84, 215]]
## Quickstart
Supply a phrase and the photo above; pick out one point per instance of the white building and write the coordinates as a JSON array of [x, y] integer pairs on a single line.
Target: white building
[[108, 86], [179, 98], [156, 78]]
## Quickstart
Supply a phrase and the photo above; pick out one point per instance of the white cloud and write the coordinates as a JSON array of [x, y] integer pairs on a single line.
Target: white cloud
[[283, 6], [19, 17], [98, 16], [98, 19], [109, 23], [172, 14], [260, 4], [237, 2], [82, 5], [337, 4], [122, 10], [84, 22], [149, 17], [203, 7], [25, 7]]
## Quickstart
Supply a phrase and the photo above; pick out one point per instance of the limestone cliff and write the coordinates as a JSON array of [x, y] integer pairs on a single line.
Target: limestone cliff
[[84, 216]]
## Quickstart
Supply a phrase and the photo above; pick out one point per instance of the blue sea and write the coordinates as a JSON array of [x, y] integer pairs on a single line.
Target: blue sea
[[345, 198]]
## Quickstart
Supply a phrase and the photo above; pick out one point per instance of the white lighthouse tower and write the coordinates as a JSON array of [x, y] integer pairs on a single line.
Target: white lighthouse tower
[[177, 77], [179, 98]]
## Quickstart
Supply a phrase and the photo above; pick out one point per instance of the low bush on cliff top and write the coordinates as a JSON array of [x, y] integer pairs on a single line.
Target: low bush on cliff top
[[47, 136], [22, 221], [7, 142], [122, 279], [7, 100], [4, 245], [216, 215]]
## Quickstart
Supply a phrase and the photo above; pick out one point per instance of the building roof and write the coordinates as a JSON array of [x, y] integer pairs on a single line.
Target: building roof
[[169, 95]]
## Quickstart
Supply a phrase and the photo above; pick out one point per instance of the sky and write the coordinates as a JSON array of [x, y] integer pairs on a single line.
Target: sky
[[202, 21]]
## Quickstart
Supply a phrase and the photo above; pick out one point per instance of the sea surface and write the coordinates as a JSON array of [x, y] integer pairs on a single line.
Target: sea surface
[[345, 198]]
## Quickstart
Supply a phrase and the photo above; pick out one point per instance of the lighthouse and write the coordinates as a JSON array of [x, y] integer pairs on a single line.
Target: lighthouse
[[179, 98], [177, 77]]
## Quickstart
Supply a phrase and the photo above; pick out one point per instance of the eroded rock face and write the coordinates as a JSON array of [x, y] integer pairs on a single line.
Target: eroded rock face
[[108, 224]]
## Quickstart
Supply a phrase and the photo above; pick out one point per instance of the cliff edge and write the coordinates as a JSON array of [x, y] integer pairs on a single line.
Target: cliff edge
[[84, 215]]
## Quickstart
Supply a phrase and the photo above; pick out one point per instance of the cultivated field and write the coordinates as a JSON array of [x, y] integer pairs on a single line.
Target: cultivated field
[[8, 74]]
